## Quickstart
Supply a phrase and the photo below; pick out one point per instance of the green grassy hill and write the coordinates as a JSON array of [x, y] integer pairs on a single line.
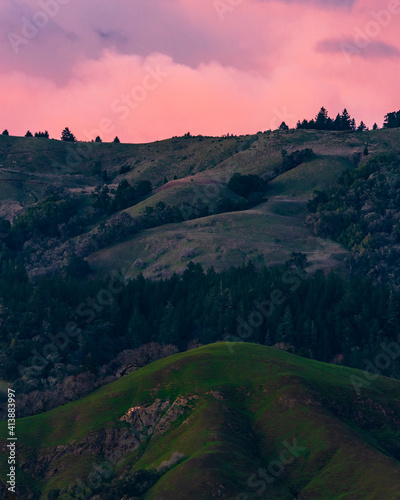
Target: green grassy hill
[[218, 421]]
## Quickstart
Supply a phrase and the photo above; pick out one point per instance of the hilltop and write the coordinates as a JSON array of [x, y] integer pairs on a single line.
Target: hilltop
[[216, 422]]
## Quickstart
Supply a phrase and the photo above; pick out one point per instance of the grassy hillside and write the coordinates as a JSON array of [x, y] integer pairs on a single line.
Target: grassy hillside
[[32, 164], [215, 422], [267, 234], [197, 170]]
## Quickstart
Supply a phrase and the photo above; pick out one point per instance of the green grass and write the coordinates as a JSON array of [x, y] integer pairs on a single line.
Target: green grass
[[267, 397]]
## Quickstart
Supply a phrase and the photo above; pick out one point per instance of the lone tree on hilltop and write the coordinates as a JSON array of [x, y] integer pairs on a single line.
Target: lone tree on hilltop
[[67, 135], [29, 134], [98, 139], [283, 126], [361, 127], [5, 132], [116, 140]]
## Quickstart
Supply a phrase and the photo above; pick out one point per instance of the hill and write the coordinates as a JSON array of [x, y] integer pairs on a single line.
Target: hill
[[189, 175], [221, 421]]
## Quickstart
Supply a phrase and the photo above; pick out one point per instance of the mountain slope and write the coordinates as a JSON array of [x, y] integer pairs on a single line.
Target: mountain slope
[[216, 422]]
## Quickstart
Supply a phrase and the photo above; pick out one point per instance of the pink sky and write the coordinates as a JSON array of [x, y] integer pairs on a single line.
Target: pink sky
[[148, 70]]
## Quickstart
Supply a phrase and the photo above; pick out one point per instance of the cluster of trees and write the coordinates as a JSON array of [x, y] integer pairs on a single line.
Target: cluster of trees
[[363, 214], [342, 121], [320, 316], [43, 220], [44, 135], [250, 187], [392, 120], [293, 160], [246, 185], [125, 196]]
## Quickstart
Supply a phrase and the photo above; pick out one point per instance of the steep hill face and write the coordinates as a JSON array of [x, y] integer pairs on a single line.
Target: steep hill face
[[234, 421]]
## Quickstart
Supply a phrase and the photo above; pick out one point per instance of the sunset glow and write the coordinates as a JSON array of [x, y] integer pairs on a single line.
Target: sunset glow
[[150, 70]]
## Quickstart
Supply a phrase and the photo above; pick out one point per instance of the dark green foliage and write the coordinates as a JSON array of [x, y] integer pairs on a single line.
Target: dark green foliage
[[42, 135], [320, 197], [116, 140], [392, 120], [5, 132], [101, 198], [124, 169], [29, 134], [363, 213], [324, 122], [319, 316], [293, 160], [226, 204], [67, 135], [53, 494], [362, 127], [42, 220], [125, 196], [78, 267], [283, 127], [143, 188], [98, 139], [5, 228], [245, 185]]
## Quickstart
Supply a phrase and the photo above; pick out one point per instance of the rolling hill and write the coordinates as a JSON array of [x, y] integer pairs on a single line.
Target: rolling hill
[[234, 421], [197, 170]]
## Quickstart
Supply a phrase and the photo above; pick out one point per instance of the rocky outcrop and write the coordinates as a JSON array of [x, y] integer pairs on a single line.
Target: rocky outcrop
[[155, 419]]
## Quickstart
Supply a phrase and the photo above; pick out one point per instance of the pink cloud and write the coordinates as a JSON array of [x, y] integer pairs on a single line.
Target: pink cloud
[[256, 67]]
